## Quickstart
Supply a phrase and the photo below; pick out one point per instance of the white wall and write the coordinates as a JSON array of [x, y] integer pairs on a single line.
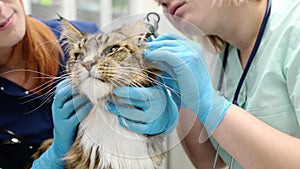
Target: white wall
[[143, 6]]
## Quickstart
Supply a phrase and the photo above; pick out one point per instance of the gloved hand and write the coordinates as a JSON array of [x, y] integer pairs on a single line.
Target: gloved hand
[[148, 110], [183, 59], [68, 109]]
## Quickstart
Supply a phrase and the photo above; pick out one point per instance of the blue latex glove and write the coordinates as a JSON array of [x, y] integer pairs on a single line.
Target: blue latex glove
[[66, 103], [148, 110], [183, 59]]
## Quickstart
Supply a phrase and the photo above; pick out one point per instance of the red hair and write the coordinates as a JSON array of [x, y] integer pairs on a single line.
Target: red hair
[[41, 51]]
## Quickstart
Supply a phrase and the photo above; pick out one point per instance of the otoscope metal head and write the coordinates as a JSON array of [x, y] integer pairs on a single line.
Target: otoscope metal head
[[151, 26], [152, 23]]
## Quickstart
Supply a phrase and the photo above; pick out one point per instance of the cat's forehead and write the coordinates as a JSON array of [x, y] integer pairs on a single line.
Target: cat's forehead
[[108, 38], [102, 40]]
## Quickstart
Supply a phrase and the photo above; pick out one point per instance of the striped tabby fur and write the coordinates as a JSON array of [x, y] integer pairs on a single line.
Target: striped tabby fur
[[99, 63]]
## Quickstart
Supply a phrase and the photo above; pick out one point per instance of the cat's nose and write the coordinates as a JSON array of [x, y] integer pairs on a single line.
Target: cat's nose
[[88, 64]]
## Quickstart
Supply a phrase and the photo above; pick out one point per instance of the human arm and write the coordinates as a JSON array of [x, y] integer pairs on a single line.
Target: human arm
[[65, 121], [202, 155], [274, 148], [170, 52], [254, 144]]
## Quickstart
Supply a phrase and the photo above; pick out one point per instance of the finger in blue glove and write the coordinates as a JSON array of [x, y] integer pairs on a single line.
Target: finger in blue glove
[[145, 110], [67, 112], [184, 60]]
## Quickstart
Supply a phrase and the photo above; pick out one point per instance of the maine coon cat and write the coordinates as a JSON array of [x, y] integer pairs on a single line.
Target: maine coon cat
[[99, 63]]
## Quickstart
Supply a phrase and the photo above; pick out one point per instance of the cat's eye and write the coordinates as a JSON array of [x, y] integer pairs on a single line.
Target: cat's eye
[[77, 55], [110, 49]]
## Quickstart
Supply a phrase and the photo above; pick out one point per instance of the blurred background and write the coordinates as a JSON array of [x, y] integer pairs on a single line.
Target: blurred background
[[98, 11], [102, 12]]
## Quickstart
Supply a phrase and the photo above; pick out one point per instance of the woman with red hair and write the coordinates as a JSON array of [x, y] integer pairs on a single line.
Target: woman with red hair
[[30, 58]]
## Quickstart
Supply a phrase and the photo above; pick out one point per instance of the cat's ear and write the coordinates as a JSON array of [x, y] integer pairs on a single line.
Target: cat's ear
[[69, 32]]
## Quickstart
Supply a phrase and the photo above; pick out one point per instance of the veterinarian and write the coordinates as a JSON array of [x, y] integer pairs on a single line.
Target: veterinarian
[[253, 120], [31, 58]]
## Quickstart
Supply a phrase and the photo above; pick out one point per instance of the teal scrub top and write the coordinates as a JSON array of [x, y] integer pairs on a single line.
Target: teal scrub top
[[271, 90]]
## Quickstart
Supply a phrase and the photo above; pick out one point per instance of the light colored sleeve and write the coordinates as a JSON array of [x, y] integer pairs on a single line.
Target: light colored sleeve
[[292, 70]]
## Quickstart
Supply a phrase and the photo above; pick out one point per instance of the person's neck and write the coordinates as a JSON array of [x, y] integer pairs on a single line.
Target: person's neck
[[243, 27], [5, 56], [10, 65], [10, 60]]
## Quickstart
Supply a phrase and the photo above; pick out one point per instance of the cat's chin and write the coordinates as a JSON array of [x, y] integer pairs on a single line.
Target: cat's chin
[[95, 89]]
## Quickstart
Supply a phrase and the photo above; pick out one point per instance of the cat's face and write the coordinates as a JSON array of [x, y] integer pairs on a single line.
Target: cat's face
[[100, 62]]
